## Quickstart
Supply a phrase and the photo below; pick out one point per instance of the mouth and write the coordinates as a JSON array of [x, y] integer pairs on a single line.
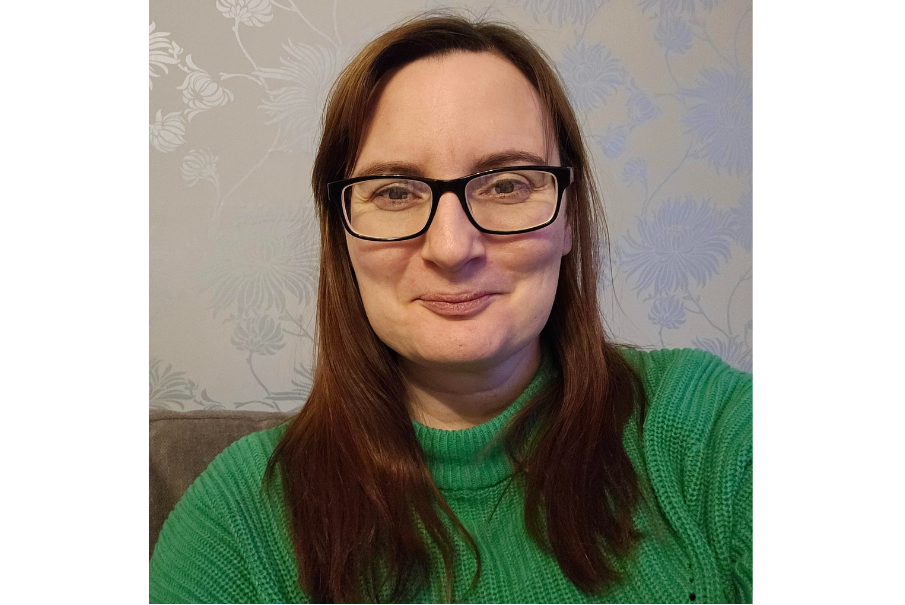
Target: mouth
[[463, 304]]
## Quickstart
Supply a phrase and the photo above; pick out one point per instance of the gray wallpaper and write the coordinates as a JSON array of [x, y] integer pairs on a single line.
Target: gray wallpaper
[[664, 91]]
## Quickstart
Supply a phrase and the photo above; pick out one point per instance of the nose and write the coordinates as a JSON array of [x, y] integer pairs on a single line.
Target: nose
[[451, 241]]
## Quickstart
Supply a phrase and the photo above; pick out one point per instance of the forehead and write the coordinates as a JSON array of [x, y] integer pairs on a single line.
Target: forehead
[[444, 114]]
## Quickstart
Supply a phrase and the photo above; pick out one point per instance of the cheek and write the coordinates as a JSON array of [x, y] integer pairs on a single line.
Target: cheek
[[379, 269], [536, 268], [540, 255]]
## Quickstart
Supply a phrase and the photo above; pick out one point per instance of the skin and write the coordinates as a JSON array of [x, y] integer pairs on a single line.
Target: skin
[[447, 117]]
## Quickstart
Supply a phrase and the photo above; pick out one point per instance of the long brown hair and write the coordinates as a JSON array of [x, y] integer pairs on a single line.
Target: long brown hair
[[359, 492]]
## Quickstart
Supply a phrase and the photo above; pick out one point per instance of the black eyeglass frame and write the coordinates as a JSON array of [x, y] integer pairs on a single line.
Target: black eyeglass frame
[[564, 177]]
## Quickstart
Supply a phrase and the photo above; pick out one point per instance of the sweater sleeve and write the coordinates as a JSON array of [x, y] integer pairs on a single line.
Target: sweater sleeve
[[699, 455], [726, 477], [742, 541], [197, 558]]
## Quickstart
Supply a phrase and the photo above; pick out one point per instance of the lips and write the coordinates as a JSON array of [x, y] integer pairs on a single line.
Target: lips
[[457, 304], [453, 298]]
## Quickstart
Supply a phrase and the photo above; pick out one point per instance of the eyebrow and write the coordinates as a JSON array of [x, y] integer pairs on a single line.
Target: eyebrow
[[501, 159], [510, 157], [378, 168]]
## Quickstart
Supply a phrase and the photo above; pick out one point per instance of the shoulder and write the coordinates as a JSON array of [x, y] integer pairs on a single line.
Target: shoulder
[[667, 368], [218, 523], [251, 451], [237, 472], [691, 388], [230, 487], [699, 419]]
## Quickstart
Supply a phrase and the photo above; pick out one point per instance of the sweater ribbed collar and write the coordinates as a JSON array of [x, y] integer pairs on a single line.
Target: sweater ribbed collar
[[462, 459]]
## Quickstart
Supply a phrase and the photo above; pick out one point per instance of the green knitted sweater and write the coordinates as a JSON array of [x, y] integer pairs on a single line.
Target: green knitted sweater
[[227, 541]]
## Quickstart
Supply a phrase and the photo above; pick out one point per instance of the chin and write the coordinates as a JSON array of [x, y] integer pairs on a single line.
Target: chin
[[454, 356], [461, 343], [452, 350], [427, 339]]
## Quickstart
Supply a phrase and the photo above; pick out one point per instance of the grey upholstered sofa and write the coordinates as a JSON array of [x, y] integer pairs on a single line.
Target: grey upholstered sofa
[[182, 444]]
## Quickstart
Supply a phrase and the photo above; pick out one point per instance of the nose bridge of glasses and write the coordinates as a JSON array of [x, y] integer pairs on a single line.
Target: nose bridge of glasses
[[457, 187]]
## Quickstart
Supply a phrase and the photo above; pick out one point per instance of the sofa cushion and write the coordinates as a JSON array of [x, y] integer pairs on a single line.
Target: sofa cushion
[[182, 444]]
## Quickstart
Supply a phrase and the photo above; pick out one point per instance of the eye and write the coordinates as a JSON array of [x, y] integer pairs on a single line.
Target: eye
[[395, 193], [504, 187]]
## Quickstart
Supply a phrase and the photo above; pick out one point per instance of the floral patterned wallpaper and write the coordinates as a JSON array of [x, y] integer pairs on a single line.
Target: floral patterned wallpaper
[[664, 91]]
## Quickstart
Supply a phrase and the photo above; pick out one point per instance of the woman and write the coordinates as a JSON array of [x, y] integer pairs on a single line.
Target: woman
[[471, 435]]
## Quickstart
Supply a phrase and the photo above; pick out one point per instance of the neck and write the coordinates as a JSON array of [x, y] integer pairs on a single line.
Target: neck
[[463, 396]]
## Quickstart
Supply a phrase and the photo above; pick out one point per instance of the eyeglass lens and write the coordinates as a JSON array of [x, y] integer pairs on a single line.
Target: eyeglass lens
[[501, 201]]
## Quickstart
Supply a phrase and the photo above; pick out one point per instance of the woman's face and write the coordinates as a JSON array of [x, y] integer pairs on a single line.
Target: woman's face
[[455, 295]]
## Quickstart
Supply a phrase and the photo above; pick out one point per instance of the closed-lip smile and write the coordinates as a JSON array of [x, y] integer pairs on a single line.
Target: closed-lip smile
[[457, 304]]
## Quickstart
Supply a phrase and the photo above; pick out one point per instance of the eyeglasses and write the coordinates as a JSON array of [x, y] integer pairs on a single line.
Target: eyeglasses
[[391, 208]]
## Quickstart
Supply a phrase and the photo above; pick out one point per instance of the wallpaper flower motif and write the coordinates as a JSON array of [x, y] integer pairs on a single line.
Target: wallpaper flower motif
[[564, 11], [591, 73], [260, 277], [168, 387], [741, 221], [667, 7], [721, 121], [612, 142], [634, 171], [685, 240], [304, 79], [162, 52], [639, 106], [258, 335], [249, 12], [167, 132], [200, 165], [265, 264], [200, 92], [673, 35], [667, 312]]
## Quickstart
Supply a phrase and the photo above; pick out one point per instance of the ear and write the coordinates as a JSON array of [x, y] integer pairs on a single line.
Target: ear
[[567, 232], [567, 240]]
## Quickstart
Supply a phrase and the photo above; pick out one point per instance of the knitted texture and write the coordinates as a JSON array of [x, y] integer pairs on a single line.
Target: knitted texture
[[227, 540]]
